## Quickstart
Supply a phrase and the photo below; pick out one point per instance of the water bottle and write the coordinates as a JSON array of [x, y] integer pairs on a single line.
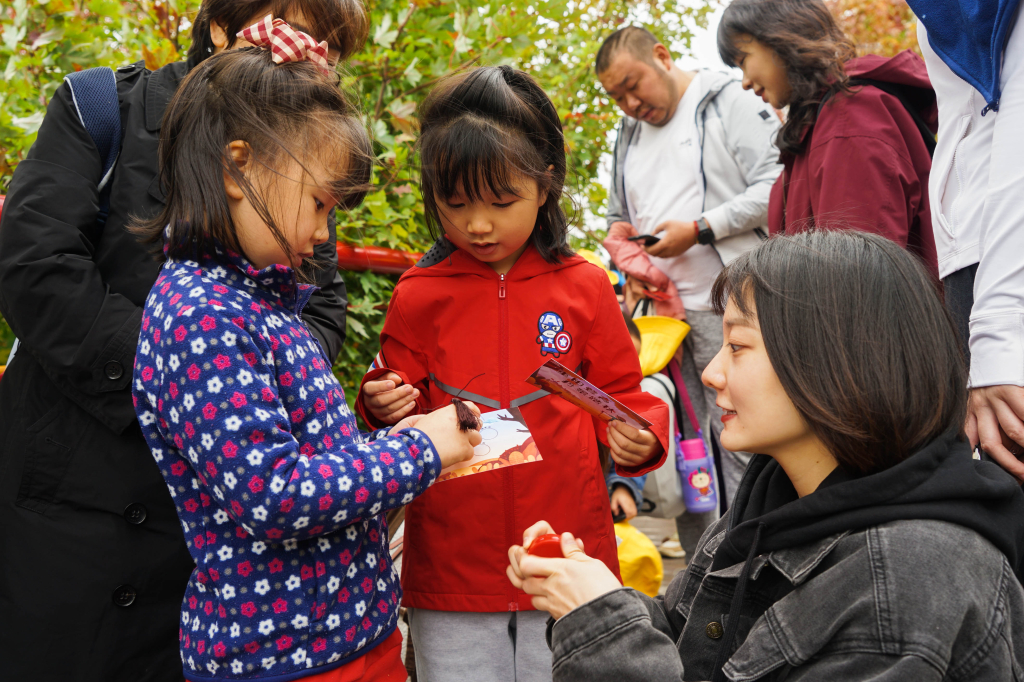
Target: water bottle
[[697, 472]]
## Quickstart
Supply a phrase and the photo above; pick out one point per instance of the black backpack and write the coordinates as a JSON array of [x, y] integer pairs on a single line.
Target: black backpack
[[910, 97], [94, 92]]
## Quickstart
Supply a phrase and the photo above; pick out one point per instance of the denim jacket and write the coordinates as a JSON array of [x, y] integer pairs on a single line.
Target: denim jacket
[[906, 600]]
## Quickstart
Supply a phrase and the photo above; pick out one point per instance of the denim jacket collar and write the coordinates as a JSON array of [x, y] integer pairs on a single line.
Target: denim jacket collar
[[795, 563]]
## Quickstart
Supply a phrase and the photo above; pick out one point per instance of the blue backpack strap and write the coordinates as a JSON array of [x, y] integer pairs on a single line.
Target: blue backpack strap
[[94, 92]]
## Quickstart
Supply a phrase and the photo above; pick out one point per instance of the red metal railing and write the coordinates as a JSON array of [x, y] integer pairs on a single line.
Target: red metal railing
[[375, 259], [355, 258]]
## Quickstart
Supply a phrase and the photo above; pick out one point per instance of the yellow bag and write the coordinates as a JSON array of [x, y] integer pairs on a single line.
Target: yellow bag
[[639, 561], [659, 339], [592, 257]]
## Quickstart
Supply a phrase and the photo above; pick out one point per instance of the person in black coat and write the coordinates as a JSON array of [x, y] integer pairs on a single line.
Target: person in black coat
[[93, 563]]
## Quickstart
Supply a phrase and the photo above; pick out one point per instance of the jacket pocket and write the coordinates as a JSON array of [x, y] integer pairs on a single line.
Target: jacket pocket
[[48, 455], [951, 173]]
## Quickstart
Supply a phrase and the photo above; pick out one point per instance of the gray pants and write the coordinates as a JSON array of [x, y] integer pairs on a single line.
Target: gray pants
[[699, 347], [959, 291], [454, 646]]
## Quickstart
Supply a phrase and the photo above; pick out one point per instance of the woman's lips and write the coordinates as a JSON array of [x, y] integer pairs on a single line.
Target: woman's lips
[[729, 414]]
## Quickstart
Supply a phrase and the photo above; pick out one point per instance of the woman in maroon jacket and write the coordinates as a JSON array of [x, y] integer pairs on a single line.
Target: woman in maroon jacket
[[856, 141]]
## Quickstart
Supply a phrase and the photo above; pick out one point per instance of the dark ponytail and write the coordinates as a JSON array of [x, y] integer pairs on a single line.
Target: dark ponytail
[[342, 23]]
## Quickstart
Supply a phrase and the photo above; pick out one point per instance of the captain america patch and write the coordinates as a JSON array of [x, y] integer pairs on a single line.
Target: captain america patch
[[552, 337]]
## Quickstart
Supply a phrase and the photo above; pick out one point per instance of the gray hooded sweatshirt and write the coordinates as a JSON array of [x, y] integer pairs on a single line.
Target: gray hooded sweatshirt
[[739, 164]]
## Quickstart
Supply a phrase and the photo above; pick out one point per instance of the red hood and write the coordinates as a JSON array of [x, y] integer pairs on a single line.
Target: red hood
[[529, 265], [906, 68]]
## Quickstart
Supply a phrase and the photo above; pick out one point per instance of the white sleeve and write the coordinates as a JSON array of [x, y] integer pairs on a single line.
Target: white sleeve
[[997, 318]]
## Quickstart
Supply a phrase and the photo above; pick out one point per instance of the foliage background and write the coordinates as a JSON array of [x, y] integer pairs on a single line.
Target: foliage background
[[413, 44]]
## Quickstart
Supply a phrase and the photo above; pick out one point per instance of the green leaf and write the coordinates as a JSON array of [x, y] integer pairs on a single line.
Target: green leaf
[[355, 325], [462, 44], [50, 36], [382, 36], [411, 74], [30, 124]]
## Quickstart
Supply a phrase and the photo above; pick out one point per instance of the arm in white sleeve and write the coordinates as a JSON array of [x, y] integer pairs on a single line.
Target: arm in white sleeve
[[997, 318]]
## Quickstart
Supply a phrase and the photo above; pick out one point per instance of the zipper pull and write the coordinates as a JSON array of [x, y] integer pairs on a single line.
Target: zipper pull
[[501, 288]]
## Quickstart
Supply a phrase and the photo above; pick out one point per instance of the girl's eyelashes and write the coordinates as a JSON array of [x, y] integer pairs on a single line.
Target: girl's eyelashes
[[319, 204], [735, 347], [505, 205]]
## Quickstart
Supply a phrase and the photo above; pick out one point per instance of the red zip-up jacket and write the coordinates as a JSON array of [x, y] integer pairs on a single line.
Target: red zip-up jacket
[[865, 165], [452, 318]]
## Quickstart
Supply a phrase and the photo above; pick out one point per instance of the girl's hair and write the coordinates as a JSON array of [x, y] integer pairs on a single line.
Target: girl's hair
[[283, 112], [811, 46], [342, 23], [860, 341], [487, 130]]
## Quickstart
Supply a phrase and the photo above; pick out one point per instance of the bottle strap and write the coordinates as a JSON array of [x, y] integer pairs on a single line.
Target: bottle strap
[[677, 378]]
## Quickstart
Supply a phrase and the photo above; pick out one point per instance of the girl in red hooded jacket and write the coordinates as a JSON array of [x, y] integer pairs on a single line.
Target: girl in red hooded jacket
[[855, 142], [498, 295]]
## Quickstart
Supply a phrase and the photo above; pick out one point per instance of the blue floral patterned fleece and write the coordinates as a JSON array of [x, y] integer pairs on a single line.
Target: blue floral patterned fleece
[[280, 496]]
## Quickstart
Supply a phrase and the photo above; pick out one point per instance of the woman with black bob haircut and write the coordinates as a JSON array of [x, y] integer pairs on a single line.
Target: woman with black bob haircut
[[839, 558], [94, 559], [858, 132]]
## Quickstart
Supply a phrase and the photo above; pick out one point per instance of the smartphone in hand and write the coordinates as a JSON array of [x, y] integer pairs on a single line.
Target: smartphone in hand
[[646, 239]]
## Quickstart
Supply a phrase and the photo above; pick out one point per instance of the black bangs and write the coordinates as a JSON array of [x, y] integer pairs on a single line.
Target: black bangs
[[730, 27], [486, 132], [350, 182], [475, 157]]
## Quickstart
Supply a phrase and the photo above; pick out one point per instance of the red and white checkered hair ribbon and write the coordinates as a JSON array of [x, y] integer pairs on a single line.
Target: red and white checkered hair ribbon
[[286, 44]]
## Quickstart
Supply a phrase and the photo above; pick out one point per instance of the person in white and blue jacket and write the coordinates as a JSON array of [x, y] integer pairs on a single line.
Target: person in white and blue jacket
[[974, 51]]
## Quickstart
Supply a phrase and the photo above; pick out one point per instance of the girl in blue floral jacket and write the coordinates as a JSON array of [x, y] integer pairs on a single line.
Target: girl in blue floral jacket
[[280, 497]]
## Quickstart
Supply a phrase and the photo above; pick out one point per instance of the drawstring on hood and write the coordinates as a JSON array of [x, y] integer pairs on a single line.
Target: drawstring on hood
[[725, 650]]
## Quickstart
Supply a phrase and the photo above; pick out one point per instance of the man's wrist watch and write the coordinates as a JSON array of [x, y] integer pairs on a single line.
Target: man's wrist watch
[[704, 233]]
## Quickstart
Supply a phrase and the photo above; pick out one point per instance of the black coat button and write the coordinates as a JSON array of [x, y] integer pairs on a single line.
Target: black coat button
[[714, 630], [124, 595], [113, 370], [135, 513]]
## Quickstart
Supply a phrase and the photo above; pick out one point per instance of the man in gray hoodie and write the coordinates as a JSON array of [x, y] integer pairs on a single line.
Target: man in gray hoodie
[[694, 163]]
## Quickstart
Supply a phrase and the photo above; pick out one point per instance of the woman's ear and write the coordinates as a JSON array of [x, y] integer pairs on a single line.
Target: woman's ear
[[219, 37], [239, 153]]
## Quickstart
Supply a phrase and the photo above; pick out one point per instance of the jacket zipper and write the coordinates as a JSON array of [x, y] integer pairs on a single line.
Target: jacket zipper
[[507, 485], [959, 180]]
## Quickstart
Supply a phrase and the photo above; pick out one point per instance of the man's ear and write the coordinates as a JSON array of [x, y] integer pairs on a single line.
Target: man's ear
[[240, 155], [662, 57], [219, 36]]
